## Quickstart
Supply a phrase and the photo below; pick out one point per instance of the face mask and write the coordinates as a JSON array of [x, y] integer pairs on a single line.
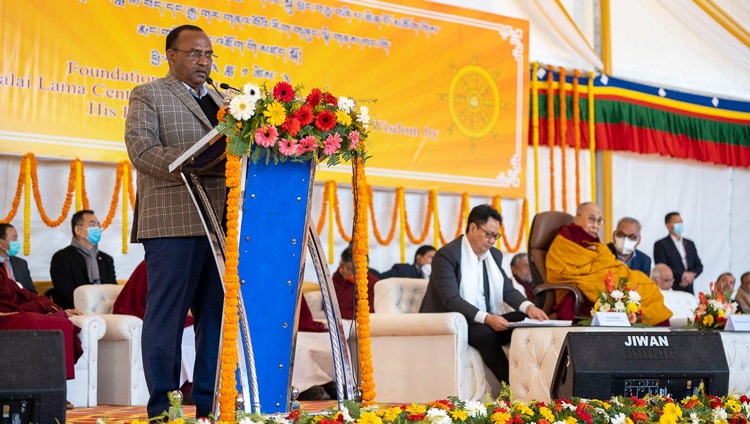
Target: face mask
[[624, 245], [679, 228], [14, 248], [426, 270], [95, 234]]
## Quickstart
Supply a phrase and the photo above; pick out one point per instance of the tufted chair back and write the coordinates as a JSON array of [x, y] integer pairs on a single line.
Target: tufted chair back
[[96, 298], [399, 295], [543, 230]]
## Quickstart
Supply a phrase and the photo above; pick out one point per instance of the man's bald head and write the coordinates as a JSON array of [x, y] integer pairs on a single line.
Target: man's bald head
[[662, 276], [589, 217]]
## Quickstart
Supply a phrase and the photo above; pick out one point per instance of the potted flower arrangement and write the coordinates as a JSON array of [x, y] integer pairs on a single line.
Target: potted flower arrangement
[[618, 297], [713, 310]]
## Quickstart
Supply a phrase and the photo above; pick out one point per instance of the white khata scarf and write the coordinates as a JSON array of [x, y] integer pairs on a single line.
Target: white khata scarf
[[472, 279]]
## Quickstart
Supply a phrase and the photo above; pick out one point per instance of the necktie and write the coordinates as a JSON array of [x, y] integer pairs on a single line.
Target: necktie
[[486, 288]]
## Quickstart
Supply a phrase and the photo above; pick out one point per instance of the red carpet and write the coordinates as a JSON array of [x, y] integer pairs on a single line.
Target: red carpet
[[123, 414]]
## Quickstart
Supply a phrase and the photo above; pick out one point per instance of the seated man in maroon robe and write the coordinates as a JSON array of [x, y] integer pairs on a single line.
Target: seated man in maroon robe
[[343, 282], [21, 309]]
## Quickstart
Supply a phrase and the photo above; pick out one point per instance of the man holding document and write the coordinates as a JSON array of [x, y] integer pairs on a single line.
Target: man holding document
[[467, 277], [165, 118]]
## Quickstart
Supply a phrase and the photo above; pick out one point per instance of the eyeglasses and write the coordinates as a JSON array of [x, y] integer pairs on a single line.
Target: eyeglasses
[[632, 237], [488, 235], [593, 220], [195, 55]]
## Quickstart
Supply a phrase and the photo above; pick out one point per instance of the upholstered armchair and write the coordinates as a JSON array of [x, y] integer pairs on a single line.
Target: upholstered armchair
[[82, 390], [422, 357], [120, 371]]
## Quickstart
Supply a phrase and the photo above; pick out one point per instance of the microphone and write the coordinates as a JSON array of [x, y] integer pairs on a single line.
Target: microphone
[[211, 83], [225, 86]]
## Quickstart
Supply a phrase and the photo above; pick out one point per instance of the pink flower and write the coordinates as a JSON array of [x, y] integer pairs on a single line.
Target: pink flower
[[266, 135], [288, 147], [308, 144], [332, 143], [354, 139]]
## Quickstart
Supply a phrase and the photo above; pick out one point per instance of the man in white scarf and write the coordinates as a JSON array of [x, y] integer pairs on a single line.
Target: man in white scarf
[[464, 280]]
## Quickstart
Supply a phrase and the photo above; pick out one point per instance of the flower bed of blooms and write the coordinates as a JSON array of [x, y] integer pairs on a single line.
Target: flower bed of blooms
[[732, 409]]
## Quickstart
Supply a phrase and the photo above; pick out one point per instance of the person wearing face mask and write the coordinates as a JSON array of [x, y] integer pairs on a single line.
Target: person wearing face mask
[[343, 282], [625, 240], [82, 262], [15, 268], [421, 268], [678, 253]]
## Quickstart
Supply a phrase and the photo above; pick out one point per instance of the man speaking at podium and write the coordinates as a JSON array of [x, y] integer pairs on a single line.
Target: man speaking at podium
[[165, 118]]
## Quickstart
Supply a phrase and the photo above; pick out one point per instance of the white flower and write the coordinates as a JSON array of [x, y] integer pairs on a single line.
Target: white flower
[[346, 104], [371, 408], [245, 420], [635, 296], [616, 400], [100, 421], [280, 419], [694, 418], [364, 116], [717, 304], [347, 416], [618, 419], [619, 306], [719, 414], [252, 90], [617, 294], [438, 416], [242, 107], [475, 409], [606, 307]]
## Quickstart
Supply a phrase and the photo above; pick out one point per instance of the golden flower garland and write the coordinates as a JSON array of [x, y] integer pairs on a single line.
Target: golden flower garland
[[425, 228], [125, 181], [27, 207], [497, 204], [577, 132], [320, 223], [535, 129], [79, 184], [17, 196], [563, 140], [400, 194], [360, 251], [592, 138], [84, 193], [229, 354], [463, 211], [338, 218], [394, 216], [551, 135], [436, 223], [115, 197], [38, 196], [332, 204]]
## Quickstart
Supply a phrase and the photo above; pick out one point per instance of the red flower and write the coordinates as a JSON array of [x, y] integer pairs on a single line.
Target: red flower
[[744, 399], [609, 281], [294, 415], [304, 115], [313, 99], [325, 121], [692, 403], [330, 99], [715, 401], [542, 421], [415, 417], [517, 419], [583, 415], [283, 91], [637, 401], [737, 418], [291, 125], [639, 417]]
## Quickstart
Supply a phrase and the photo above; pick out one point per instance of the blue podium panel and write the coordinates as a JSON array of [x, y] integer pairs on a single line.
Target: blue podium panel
[[272, 255]]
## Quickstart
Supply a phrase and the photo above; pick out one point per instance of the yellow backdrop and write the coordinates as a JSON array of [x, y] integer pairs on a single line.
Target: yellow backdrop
[[450, 84]]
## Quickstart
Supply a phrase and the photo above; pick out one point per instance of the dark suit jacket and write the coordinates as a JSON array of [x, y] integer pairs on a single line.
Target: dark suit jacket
[[640, 262], [22, 274], [443, 293], [665, 252], [403, 271], [68, 271]]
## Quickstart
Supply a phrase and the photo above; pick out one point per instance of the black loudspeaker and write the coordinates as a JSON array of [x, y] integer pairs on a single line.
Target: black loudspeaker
[[600, 365], [32, 377]]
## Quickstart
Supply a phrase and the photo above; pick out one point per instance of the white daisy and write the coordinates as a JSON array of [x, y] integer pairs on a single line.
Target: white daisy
[[346, 104], [475, 409], [635, 296], [252, 90], [347, 416], [719, 414], [438, 416], [364, 116], [618, 419], [617, 294], [605, 307], [694, 418], [619, 306], [242, 107], [280, 419]]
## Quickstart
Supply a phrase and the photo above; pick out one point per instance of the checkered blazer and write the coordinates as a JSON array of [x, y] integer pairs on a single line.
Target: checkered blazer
[[163, 121]]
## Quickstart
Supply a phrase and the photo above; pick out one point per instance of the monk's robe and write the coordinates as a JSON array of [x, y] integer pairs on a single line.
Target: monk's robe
[[577, 258], [28, 311]]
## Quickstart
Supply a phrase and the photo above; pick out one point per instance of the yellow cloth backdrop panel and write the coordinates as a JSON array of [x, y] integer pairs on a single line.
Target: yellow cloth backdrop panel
[[451, 84]]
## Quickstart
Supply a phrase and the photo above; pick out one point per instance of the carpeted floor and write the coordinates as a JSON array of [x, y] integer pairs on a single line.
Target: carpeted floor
[[124, 414]]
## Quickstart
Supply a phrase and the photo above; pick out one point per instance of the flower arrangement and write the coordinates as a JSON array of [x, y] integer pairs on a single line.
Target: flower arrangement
[[619, 298], [280, 124], [732, 409], [712, 310]]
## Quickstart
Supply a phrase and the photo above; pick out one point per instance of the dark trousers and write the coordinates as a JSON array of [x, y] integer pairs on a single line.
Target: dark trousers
[[182, 275], [490, 343]]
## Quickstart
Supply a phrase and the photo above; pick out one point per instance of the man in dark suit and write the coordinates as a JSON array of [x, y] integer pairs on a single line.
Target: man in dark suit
[[467, 277], [16, 268], [626, 239], [678, 253], [82, 262], [166, 117], [421, 268]]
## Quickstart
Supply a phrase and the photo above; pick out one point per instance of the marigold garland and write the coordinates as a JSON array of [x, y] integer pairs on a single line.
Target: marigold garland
[[577, 132], [17, 196], [563, 140], [320, 223], [229, 354], [535, 129], [425, 227], [436, 223], [400, 194], [392, 232], [84, 194], [27, 207], [360, 251], [592, 134], [38, 196], [497, 204], [79, 184], [338, 218], [115, 197], [125, 226], [551, 135]]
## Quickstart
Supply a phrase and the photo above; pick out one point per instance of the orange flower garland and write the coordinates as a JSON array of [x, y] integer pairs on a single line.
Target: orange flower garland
[[360, 251], [376, 231], [338, 218], [563, 140], [535, 129], [497, 204], [323, 208], [425, 228], [17, 197], [551, 135], [577, 133], [332, 204], [115, 197], [402, 221], [79, 184], [27, 207], [125, 226], [38, 196], [84, 194], [592, 134], [436, 226], [229, 354]]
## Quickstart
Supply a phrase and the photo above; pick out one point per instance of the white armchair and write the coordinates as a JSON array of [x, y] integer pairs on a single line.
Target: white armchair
[[82, 390], [422, 357], [121, 377]]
